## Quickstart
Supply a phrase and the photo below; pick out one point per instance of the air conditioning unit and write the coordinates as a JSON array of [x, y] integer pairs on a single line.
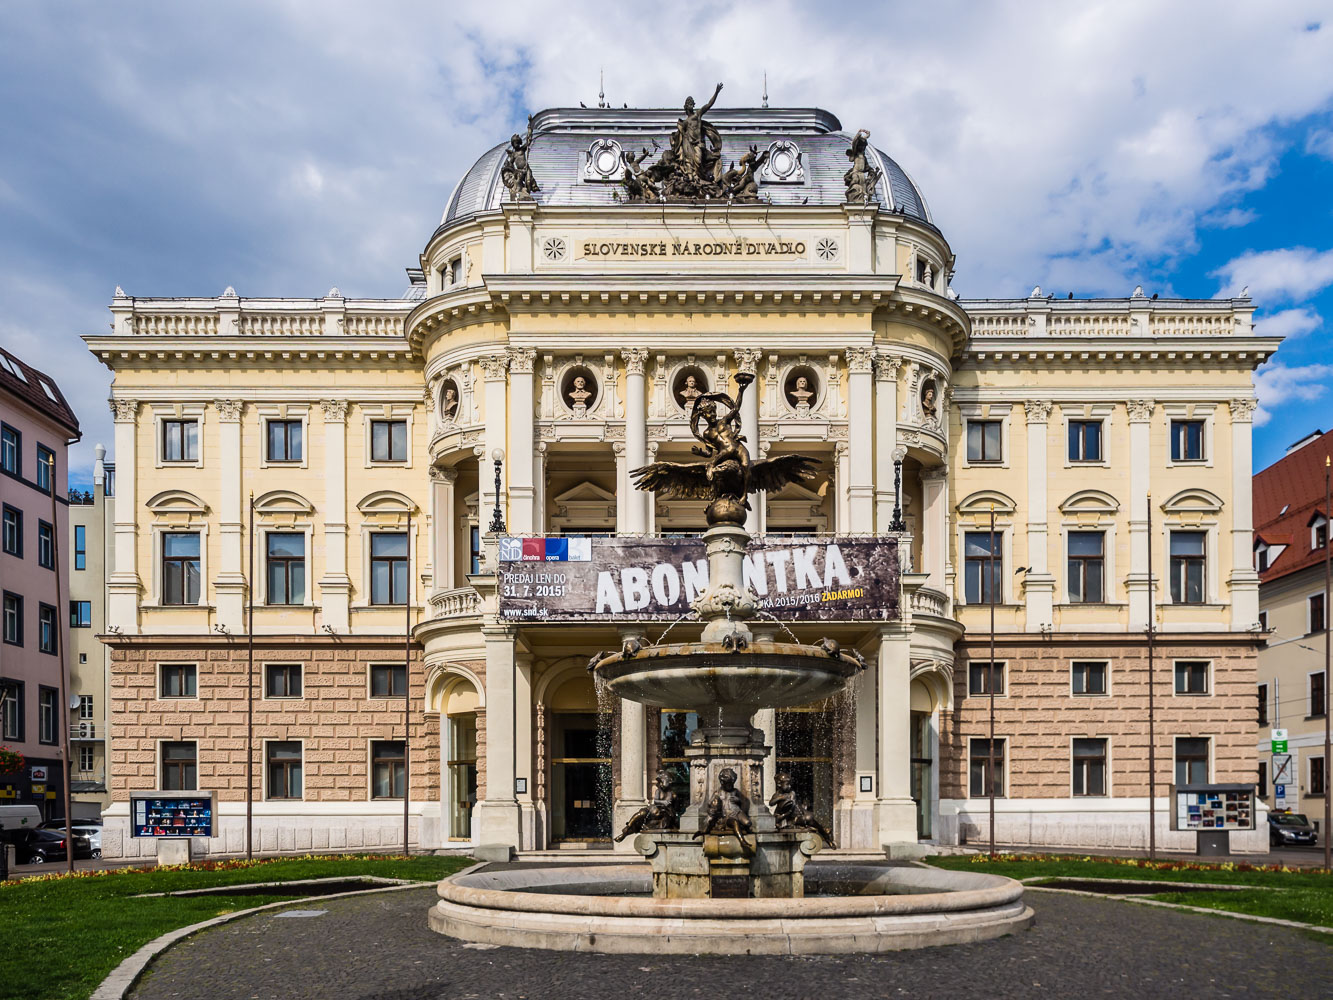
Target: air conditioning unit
[[87, 730]]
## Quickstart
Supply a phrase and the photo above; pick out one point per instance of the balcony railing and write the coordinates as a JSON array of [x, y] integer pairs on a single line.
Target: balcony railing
[[925, 601], [458, 603]]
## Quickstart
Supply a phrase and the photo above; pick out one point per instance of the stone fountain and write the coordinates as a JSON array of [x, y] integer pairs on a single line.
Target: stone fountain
[[728, 873]]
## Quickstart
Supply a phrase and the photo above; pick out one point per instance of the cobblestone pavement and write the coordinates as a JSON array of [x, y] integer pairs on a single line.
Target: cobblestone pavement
[[378, 947]]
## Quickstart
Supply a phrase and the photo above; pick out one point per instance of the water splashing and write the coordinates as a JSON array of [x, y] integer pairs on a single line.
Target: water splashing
[[781, 623]]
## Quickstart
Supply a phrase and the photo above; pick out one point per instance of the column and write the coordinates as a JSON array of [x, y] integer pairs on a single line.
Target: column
[[1140, 483], [636, 437], [523, 753], [886, 436], [1039, 584], [935, 527], [522, 493], [841, 509], [623, 487], [443, 550], [747, 360], [498, 811], [123, 583], [539, 488], [896, 811], [860, 430], [495, 370], [1243, 581], [633, 752], [335, 585], [229, 581]]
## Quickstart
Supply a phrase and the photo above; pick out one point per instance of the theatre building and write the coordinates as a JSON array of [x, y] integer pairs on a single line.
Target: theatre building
[[573, 301]]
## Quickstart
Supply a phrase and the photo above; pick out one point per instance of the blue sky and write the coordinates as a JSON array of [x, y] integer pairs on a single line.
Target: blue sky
[[287, 147]]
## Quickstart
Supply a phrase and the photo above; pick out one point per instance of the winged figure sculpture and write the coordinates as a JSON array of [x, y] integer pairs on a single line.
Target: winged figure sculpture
[[727, 476]]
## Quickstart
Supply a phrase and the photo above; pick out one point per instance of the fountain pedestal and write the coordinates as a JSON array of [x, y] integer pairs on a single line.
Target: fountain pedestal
[[759, 866]]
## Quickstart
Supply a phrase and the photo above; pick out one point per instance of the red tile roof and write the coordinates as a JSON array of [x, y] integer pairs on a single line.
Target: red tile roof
[[1287, 496]]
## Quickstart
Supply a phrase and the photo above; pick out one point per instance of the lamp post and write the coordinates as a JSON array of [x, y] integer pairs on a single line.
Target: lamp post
[[897, 523], [497, 525]]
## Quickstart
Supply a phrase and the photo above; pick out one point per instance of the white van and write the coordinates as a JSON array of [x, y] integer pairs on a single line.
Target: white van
[[19, 818]]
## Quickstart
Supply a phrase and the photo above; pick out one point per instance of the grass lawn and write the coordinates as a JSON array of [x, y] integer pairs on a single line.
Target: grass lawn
[[64, 935], [1307, 895]]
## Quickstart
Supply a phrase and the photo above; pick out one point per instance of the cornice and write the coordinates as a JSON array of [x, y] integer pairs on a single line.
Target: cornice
[[164, 350], [997, 352]]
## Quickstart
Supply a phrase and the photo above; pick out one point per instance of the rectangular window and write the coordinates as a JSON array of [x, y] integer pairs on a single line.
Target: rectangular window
[[48, 629], [986, 773], [388, 680], [11, 711], [282, 680], [982, 583], [87, 759], [388, 568], [80, 614], [46, 546], [1089, 767], [13, 615], [11, 451], [46, 714], [983, 440], [388, 440], [1191, 677], [178, 680], [85, 707], [456, 270], [286, 568], [1263, 705], [1263, 621], [1261, 559], [1085, 440], [1317, 695], [180, 567], [13, 531], [388, 770], [1317, 613], [180, 440], [1187, 567], [1086, 559], [46, 468], [474, 549], [284, 441], [283, 764], [984, 677], [1191, 760], [1187, 440], [1316, 785], [1319, 533], [1088, 677], [1263, 779], [80, 546], [180, 766]]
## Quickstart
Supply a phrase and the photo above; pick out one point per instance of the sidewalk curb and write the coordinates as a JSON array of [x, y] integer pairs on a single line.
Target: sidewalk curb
[[118, 984]]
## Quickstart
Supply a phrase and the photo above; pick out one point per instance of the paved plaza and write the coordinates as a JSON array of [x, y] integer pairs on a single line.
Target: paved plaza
[[377, 947]]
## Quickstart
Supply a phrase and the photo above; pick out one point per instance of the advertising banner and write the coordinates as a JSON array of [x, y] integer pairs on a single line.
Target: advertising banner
[[609, 579]]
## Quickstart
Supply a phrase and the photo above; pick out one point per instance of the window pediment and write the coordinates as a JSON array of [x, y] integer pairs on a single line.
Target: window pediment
[[283, 502], [1193, 501], [980, 503], [1094, 502], [177, 502]]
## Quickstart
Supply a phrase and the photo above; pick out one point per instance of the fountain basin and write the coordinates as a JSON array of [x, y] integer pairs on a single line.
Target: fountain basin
[[608, 908], [703, 675]]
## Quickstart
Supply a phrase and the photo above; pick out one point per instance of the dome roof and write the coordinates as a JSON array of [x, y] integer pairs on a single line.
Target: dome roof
[[565, 143]]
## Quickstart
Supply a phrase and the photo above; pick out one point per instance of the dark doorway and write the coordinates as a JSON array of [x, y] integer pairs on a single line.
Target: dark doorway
[[581, 774]]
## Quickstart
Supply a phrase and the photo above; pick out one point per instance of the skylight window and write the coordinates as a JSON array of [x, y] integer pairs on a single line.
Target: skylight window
[[49, 394], [1285, 508], [7, 365]]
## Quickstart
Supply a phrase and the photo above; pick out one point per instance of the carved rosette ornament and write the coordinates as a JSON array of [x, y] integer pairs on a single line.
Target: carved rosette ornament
[[860, 360], [1242, 410], [1140, 410], [229, 410], [1037, 411], [335, 410], [124, 410]]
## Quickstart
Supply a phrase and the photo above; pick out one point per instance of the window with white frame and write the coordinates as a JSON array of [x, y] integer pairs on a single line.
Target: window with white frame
[[87, 758], [11, 450], [85, 707], [1085, 440], [1089, 766], [1318, 695], [984, 439], [983, 567], [180, 440], [1317, 776], [48, 630], [46, 468], [285, 554], [180, 766], [1189, 563], [1314, 618], [47, 714], [388, 567], [1318, 531], [282, 767], [284, 440], [282, 680], [1192, 676], [180, 567], [984, 677], [986, 768], [11, 710], [388, 440], [1192, 753], [1088, 677], [1087, 560], [46, 545], [13, 531], [1187, 440]]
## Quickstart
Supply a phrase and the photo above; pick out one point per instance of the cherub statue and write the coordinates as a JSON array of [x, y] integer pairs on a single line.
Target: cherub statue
[[728, 810], [517, 171], [639, 185], [860, 178], [728, 476], [740, 182], [790, 814], [659, 814]]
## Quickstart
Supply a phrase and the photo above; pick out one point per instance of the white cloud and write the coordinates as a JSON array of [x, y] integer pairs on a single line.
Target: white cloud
[[1320, 143], [1290, 274], [1231, 218], [1289, 323], [1276, 385]]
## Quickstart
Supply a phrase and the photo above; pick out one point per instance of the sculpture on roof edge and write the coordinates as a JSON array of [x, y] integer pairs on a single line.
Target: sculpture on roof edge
[[741, 183], [728, 476], [517, 171], [860, 178]]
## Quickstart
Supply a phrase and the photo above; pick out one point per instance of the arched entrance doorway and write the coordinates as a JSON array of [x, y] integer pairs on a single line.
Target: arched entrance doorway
[[459, 703], [580, 749], [923, 748]]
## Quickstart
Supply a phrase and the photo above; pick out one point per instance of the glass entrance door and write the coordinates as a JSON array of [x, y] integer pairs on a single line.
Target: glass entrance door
[[581, 776], [462, 774], [922, 763]]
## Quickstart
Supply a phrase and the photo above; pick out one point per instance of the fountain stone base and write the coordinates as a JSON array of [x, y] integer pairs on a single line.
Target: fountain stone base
[[756, 866]]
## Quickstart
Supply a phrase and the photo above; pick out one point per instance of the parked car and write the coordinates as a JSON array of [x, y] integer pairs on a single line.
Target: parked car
[[83, 827], [36, 847], [1285, 829]]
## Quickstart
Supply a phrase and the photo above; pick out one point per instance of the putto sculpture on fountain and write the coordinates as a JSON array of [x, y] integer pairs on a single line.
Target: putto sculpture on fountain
[[660, 814]]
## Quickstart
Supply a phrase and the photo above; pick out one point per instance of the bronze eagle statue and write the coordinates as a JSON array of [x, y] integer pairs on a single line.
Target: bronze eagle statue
[[727, 477]]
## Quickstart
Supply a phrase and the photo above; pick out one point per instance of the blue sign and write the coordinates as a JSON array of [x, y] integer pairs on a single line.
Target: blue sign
[[1280, 791]]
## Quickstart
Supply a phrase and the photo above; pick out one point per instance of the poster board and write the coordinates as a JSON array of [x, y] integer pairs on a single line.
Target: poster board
[[171, 814], [1212, 808]]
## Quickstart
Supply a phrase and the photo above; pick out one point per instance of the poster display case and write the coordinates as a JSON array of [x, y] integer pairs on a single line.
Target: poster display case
[[1212, 808], [171, 814]]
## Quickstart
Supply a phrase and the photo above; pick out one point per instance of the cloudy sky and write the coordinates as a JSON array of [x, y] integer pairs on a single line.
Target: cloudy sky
[[286, 147]]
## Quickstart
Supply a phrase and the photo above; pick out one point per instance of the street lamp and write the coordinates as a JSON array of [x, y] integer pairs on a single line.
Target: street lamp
[[897, 523], [497, 525]]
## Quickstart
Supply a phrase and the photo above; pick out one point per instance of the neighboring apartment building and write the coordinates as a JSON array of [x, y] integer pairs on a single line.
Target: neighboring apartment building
[[1290, 545], [89, 562], [36, 428], [560, 338]]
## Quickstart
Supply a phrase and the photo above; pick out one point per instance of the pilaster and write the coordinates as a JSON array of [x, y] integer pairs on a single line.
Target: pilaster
[[522, 493], [636, 436], [123, 583], [498, 811], [935, 526], [886, 436], [1039, 584], [230, 583], [335, 586], [1243, 581], [861, 428], [443, 549], [495, 372], [894, 806], [1137, 585]]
